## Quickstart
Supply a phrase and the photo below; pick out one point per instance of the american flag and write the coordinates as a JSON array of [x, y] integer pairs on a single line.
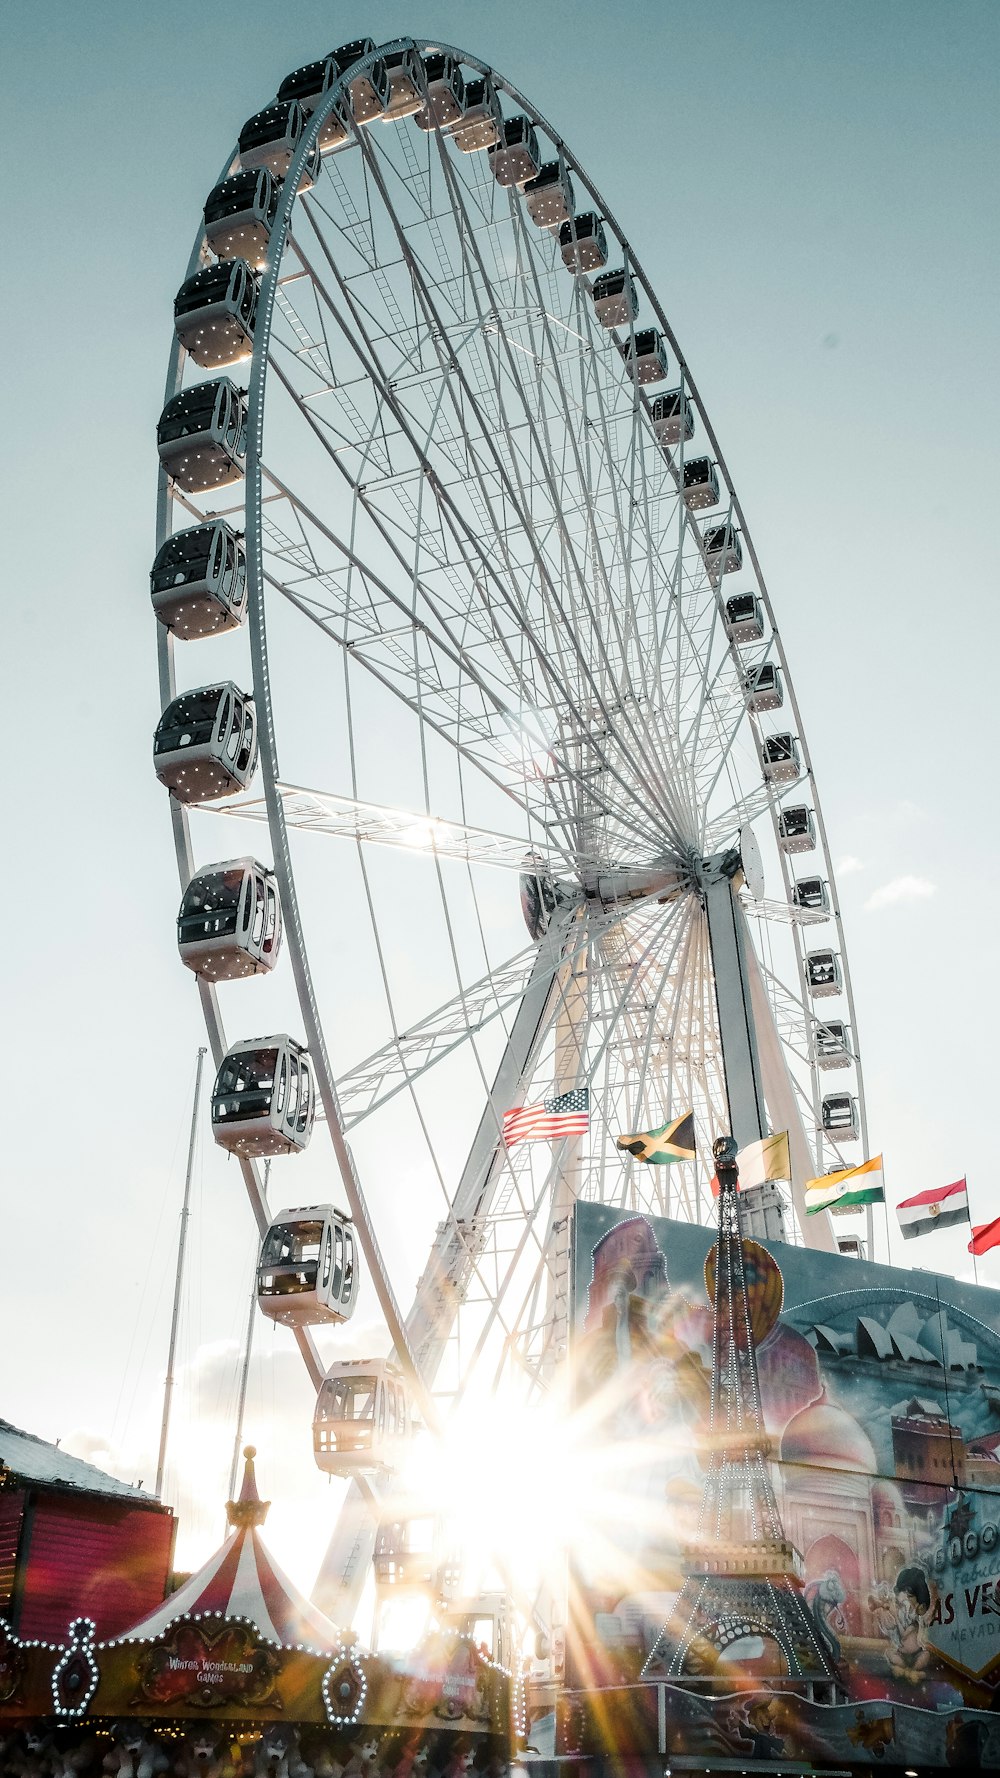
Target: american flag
[[564, 1114]]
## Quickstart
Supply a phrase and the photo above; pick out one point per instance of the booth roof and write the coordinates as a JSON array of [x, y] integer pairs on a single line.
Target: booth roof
[[242, 1580], [33, 1460]]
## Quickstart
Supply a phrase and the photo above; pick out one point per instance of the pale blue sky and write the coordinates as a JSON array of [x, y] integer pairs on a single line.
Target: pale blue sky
[[846, 341]]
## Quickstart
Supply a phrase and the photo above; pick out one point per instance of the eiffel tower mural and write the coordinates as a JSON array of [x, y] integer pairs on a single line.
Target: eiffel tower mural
[[743, 1576]]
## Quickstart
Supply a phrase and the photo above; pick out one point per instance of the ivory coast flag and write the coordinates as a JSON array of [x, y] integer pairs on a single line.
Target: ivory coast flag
[[847, 1189], [759, 1162], [658, 1148]]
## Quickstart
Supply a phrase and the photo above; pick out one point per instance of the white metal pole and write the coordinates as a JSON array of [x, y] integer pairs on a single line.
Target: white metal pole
[[168, 1384], [245, 1369]]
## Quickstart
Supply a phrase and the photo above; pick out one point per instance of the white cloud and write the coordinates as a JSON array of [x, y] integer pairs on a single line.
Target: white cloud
[[849, 866], [901, 889]]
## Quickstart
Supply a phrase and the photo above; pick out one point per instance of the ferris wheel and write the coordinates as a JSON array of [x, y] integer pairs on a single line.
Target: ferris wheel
[[443, 525]]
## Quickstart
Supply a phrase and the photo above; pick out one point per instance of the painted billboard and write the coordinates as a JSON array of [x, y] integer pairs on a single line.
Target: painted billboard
[[880, 1393]]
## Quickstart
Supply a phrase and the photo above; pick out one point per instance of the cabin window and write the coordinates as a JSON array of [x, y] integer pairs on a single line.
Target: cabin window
[[259, 911], [338, 1264], [348, 1266]]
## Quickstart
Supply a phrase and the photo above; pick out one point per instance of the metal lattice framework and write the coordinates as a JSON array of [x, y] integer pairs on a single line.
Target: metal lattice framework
[[468, 551]]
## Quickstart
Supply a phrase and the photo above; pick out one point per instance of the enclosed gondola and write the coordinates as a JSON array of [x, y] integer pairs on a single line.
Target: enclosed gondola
[[823, 973], [515, 158], [723, 550], [700, 484], [583, 243], [270, 137], [616, 300], [369, 89], [263, 1100], [482, 121], [205, 745], [198, 582], [812, 893], [780, 759], [229, 923], [201, 436], [743, 618], [840, 1117], [644, 356], [797, 829], [362, 1418], [404, 68], [445, 86], [307, 1272], [549, 196], [308, 86], [832, 1045], [239, 216], [763, 688], [215, 313], [673, 418], [413, 1554]]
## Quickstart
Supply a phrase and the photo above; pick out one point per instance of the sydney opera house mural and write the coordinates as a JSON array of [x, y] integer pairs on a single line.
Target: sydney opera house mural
[[880, 1394]]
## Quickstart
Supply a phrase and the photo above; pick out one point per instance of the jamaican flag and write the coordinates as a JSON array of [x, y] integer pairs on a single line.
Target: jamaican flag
[[658, 1148]]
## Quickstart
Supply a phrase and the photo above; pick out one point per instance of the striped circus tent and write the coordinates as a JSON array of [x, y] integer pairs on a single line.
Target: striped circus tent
[[243, 1581]]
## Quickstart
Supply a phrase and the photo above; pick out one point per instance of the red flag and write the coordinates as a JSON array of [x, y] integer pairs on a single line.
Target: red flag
[[984, 1236]]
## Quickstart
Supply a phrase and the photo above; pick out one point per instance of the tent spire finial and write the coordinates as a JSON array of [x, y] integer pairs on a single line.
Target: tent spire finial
[[249, 1508]]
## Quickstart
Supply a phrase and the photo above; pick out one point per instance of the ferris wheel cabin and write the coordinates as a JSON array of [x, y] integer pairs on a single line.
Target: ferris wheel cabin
[[743, 619], [263, 1100], [673, 418], [403, 68], [583, 243], [369, 90], [780, 759], [270, 137], [723, 551], [201, 436], [700, 484], [823, 973], [239, 216], [797, 829], [831, 1045], [516, 157], [549, 196], [482, 124], [307, 1273], [840, 1117], [445, 105], [229, 923], [198, 582], [813, 893], [763, 688], [205, 745], [308, 86], [411, 1555], [645, 356], [362, 1418], [215, 313], [616, 302]]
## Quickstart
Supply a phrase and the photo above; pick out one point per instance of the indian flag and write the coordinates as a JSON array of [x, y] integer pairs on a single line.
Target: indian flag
[[940, 1208], [847, 1189]]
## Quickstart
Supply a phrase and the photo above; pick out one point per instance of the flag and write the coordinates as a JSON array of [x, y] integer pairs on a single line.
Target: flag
[[759, 1162], [847, 1189], [984, 1236], [563, 1114], [940, 1208], [671, 1142]]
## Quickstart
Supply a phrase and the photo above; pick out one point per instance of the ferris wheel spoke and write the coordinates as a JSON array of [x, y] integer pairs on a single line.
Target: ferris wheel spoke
[[547, 355], [527, 693]]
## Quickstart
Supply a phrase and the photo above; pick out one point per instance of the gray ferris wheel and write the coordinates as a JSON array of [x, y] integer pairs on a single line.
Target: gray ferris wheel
[[444, 527]]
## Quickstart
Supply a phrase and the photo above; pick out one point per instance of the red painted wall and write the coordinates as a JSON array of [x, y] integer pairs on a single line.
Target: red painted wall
[[82, 1556]]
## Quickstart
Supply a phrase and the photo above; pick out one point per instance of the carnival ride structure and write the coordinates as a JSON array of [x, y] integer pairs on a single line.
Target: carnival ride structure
[[442, 514]]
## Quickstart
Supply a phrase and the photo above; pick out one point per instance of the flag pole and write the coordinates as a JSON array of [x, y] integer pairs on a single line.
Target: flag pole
[[975, 1268]]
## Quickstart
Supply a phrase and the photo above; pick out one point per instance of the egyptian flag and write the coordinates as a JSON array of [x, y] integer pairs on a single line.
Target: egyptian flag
[[984, 1236], [940, 1208], [659, 1148]]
